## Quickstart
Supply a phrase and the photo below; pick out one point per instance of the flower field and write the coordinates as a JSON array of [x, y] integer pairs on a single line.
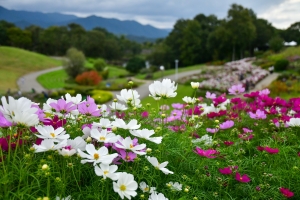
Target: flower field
[[210, 147]]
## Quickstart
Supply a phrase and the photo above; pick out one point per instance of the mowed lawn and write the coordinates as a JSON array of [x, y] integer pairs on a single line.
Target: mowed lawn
[[56, 79], [15, 63]]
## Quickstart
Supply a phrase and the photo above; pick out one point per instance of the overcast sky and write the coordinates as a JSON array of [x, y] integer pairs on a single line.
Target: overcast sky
[[162, 13]]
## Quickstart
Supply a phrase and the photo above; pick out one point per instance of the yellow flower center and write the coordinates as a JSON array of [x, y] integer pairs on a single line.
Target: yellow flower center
[[52, 135], [122, 187], [105, 172], [102, 138], [131, 146], [96, 156], [146, 189]]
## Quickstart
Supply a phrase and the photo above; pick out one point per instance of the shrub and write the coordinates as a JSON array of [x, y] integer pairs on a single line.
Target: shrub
[[99, 64], [281, 64], [74, 64], [105, 73], [101, 96], [88, 78], [135, 64]]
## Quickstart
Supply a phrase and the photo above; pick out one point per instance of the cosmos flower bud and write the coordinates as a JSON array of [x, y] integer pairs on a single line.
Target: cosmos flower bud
[[45, 167]]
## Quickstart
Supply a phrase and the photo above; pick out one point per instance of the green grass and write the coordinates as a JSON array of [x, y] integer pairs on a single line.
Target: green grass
[[159, 74], [289, 51], [15, 62], [54, 80], [182, 91]]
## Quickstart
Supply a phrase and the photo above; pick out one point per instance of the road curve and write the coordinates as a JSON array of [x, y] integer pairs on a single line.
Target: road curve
[[28, 81]]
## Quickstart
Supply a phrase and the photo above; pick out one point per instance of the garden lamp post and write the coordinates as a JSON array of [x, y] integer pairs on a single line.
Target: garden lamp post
[[162, 68], [176, 69]]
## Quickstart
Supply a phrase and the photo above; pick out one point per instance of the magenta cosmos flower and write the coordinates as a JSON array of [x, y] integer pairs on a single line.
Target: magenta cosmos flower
[[212, 130], [244, 179], [226, 170], [89, 107], [206, 153], [286, 192], [271, 150], [226, 125], [236, 89]]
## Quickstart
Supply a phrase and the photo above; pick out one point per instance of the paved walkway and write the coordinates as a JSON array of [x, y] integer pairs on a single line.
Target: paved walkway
[[28, 81]]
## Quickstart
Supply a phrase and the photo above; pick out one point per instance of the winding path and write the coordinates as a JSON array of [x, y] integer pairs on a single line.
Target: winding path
[[28, 81]]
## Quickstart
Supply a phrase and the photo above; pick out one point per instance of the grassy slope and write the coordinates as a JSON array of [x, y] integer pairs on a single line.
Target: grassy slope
[[287, 52], [16, 62]]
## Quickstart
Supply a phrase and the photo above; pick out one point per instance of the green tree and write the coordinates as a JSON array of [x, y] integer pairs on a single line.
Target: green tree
[[76, 35], [241, 28], [4, 26], [74, 65], [94, 44], [276, 43], [264, 32], [135, 64], [35, 37], [19, 38], [292, 33]]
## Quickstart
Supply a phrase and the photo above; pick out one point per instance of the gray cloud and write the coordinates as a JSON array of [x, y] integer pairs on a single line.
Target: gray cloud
[[160, 13]]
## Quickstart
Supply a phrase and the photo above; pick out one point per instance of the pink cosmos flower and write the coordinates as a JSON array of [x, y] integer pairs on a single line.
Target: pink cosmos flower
[[244, 179], [4, 122], [271, 150], [212, 130], [264, 92], [63, 107], [89, 107], [210, 95], [258, 115], [226, 125], [226, 170], [127, 156], [236, 89], [286, 192], [178, 106], [206, 153], [247, 130], [245, 136]]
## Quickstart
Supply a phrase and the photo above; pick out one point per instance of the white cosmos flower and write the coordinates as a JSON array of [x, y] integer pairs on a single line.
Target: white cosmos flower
[[66, 198], [48, 132], [189, 100], [126, 185], [145, 188], [128, 96], [75, 100], [104, 111], [174, 186], [146, 134], [72, 146], [165, 89], [86, 132], [96, 156], [117, 106], [103, 124], [104, 136], [155, 196], [294, 122], [195, 85], [47, 108], [19, 111], [48, 144], [207, 109], [160, 166], [128, 144], [121, 124], [107, 171]]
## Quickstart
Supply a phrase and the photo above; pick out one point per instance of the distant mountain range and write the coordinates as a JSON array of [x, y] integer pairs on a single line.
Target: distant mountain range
[[23, 19]]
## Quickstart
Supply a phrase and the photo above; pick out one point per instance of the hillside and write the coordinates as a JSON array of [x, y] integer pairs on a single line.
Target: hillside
[[16, 62], [23, 19]]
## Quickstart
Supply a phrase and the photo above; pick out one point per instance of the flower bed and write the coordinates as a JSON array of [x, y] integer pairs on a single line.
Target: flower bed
[[225, 149]]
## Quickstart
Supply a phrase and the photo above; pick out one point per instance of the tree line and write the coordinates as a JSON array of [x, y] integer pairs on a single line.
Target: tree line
[[56, 40], [207, 38]]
